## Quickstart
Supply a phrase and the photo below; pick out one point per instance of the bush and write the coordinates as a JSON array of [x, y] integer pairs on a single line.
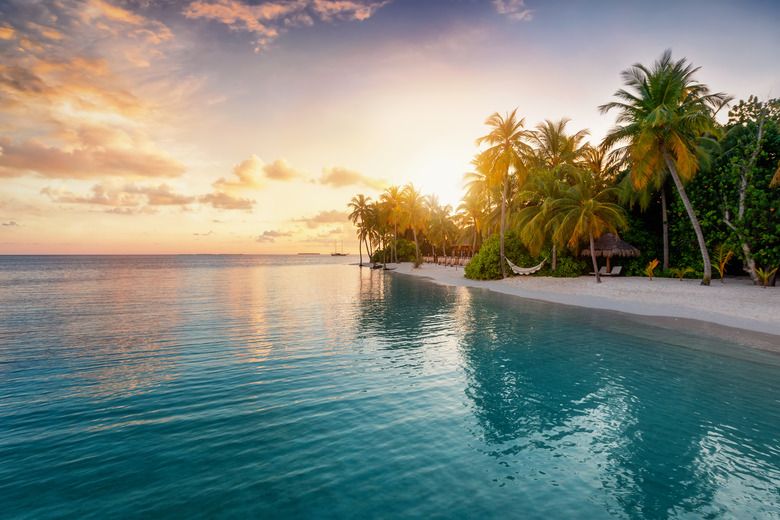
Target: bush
[[486, 264], [570, 267], [405, 252]]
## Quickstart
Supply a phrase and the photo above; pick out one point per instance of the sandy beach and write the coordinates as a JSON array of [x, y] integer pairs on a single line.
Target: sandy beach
[[736, 310]]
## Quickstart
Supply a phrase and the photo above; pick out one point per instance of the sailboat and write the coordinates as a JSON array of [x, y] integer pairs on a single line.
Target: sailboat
[[336, 252]]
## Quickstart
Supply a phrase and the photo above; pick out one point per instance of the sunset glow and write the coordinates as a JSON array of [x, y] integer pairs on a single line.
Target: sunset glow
[[244, 126]]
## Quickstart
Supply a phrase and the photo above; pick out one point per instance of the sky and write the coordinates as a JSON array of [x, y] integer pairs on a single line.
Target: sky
[[246, 126]]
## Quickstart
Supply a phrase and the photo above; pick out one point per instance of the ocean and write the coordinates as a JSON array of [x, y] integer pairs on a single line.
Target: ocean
[[303, 387]]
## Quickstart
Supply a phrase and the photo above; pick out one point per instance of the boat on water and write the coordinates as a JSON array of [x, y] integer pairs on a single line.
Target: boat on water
[[336, 252]]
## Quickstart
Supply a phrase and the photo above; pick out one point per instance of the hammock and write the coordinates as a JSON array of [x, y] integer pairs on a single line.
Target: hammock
[[525, 270]]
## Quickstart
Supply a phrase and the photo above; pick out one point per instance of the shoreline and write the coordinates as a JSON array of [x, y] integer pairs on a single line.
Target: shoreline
[[736, 311]]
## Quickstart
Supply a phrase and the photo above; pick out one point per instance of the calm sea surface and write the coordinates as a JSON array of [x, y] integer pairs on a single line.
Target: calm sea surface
[[304, 387]]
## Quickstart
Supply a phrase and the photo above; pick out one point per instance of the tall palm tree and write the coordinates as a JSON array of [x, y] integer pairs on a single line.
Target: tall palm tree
[[507, 148], [361, 211], [586, 209], [667, 122], [391, 199], [413, 213]]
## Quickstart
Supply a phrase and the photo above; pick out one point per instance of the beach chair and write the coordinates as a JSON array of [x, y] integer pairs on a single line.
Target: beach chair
[[617, 270], [602, 271]]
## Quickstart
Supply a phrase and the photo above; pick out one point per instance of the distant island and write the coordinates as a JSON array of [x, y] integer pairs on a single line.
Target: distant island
[[308, 253]]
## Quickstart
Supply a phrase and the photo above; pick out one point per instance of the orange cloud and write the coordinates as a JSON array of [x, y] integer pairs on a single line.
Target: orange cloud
[[222, 200], [280, 170], [325, 217], [340, 177], [514, 9], [269, 19], [246, 173], [128, 196], [68, 115], [272, 235], [251, 174], [86, 162], [329, 9]]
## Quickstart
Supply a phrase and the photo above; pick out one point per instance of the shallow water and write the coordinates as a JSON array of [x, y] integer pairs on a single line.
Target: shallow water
[[303, 387]]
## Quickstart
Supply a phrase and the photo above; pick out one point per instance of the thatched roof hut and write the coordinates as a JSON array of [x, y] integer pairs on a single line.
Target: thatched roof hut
[[609, 245]]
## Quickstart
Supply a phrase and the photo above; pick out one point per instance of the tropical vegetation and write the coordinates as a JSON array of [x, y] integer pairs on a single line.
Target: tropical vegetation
[[669, 178]]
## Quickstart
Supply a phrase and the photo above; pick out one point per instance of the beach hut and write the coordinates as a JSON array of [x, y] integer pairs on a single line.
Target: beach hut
[[609, 245]]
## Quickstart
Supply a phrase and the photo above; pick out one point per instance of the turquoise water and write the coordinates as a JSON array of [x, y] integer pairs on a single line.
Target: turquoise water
[[303, 387]]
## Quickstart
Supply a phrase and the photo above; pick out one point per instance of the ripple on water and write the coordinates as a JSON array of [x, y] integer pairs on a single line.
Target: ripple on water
[[169, 387]]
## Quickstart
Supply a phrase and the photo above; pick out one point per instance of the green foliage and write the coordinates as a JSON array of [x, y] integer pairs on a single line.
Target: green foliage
[[765, 275], [715, 192], [569, 267], [405, 252], [681, 272], [722, 258], [485, 264], [650, 269]]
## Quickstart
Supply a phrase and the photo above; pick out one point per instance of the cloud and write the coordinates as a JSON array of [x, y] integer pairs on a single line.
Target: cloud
[[340, 177], [280, 170], [89, 160], [130, 197], [270, 236], [268, 20], [514, 9], [247, 174], [66, 92], [203, 234], [11, 224], [325, 217], [251, 174], [222, 200]]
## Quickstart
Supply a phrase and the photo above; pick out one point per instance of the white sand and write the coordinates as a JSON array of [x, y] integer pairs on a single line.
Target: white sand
[[737, 304]]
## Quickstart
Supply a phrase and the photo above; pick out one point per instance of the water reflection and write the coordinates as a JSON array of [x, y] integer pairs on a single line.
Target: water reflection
[[648, 430]]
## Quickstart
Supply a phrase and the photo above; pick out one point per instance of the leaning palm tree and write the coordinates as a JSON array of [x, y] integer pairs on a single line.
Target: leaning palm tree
[[666, 122], [361, 210], [413, 213], [586, 209], [507, 148]]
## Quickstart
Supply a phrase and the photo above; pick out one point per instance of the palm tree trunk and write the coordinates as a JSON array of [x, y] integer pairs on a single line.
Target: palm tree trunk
[[593, 257], [360, 247], [554, 256], [416, 247], [665, 224], [503, 221], [705, 256], [395, 240]]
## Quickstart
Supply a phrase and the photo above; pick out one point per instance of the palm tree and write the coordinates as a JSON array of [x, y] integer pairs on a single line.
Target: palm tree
[[536, 221], [391, 198], [361, 210], [553, 147], [666, 122], [441, 228], [413, 213], [507, 147], [555, 155], [585, 209], [470, 214]]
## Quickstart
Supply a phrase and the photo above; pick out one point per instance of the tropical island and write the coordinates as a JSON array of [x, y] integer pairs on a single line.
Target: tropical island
[[696, 198]]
